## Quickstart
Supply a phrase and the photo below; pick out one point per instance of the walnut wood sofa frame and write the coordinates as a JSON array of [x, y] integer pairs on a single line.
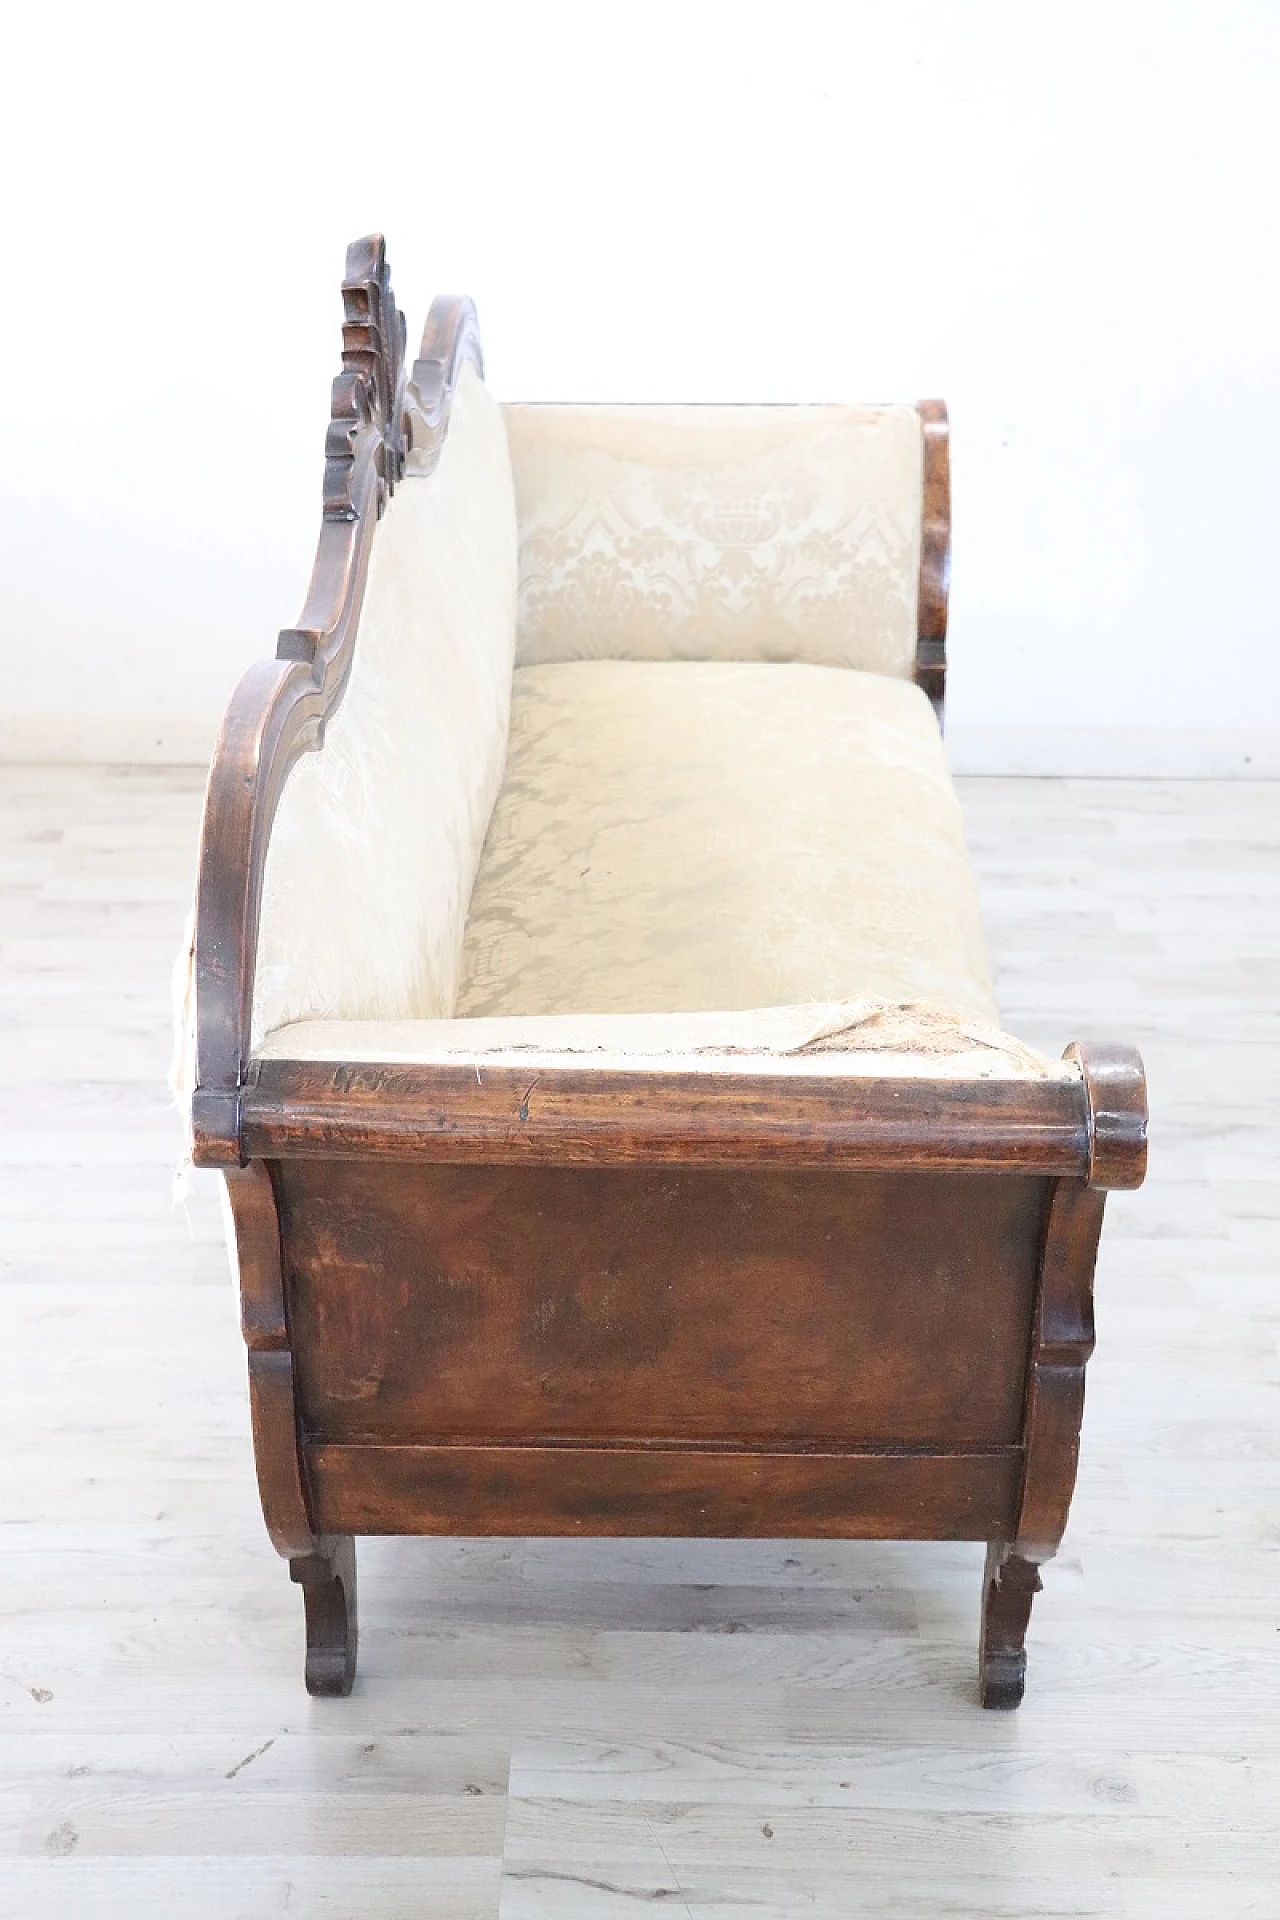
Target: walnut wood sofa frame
[[967, 1431]]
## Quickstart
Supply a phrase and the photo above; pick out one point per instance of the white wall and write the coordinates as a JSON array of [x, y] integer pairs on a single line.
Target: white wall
[[1060, 218]]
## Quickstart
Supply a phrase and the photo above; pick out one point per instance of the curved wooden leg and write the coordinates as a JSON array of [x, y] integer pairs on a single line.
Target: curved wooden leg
[[1061, 1343], [328, 1581], [1010, 1585], [324, 1565]]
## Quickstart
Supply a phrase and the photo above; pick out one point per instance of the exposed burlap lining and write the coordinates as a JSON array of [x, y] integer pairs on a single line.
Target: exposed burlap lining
[[843, 1037]]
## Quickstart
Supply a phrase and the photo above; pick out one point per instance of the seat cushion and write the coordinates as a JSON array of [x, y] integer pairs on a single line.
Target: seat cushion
[[684, 835]]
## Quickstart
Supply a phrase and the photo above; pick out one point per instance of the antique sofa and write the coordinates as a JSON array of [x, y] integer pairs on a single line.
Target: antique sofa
[[590, 1014]]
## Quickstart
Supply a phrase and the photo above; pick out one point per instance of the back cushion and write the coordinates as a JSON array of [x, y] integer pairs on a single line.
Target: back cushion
[[377, 838], [718, 533]]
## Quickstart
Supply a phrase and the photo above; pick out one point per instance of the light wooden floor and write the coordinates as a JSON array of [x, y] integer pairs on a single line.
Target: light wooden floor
[[556, 1730]]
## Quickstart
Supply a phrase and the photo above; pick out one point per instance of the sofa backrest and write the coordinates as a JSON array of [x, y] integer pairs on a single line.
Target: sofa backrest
[[718, 532], [377, 838]]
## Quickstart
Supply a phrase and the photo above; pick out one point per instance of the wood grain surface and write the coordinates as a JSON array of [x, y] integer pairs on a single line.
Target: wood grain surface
[[596, 1117], [805, 1494], [660, 1305]]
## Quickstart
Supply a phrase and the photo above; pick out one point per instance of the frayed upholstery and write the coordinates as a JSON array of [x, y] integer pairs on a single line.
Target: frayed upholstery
[[853, 1037]]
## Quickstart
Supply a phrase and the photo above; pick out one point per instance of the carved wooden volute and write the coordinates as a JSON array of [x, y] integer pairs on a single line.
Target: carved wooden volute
[[368, 395]]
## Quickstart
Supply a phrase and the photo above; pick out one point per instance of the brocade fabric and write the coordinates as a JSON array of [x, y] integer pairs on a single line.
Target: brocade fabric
[[376, 839], [718, 533], [678, 836]]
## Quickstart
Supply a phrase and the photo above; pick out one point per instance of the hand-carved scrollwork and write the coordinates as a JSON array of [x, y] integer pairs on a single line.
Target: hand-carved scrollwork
[[351, 425], [373, 331], [450, 339], [368, 395]]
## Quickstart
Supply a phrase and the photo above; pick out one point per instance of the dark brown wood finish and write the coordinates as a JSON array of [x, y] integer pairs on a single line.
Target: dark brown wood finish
[[935, 555], [1009, 1585], [553, 1299], [660, 1305], [1061, 1343], [1116, 1091], [695, 1493], [328, 1581], [323, 1565], [593, 1117]]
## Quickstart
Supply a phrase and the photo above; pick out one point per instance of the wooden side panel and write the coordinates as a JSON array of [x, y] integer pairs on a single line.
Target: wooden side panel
[[621, 1490], [500, 1304]]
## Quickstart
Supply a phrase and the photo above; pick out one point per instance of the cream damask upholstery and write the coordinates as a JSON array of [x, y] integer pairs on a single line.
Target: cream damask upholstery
[[690, 861], [673, 836], [377, 838], [727, 829], [718, 533]]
